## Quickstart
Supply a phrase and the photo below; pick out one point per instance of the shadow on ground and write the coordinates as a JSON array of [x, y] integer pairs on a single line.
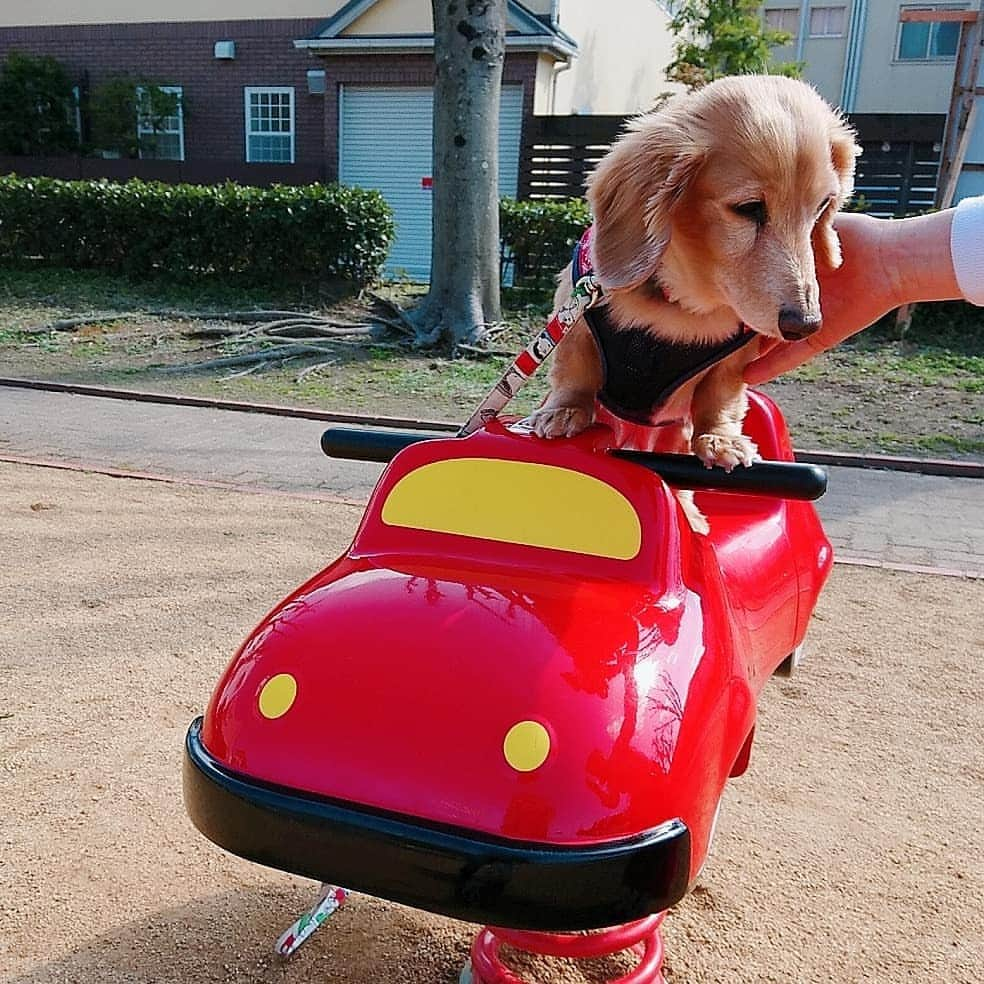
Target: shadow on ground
[[229, 937]]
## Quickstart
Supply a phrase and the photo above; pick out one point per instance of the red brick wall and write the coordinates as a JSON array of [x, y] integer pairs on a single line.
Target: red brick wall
[[182, 54]]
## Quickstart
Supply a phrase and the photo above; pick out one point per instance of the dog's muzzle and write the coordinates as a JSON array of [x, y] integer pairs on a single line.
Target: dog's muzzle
[[795, 325]]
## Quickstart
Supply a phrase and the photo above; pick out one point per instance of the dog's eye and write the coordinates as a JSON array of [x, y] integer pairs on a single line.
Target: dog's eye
[[751, 210]]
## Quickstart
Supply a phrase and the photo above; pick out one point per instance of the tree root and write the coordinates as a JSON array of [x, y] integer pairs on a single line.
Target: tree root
[[259, 367], [234, 316], [321, 329], [279, 354], [304, 373], [287, 335], [451, 320], [404, 322], [483, 353], [281, 348], [269, 318]]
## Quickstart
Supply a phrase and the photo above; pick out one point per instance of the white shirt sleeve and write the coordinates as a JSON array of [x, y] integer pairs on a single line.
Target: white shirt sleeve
[[967, 248]]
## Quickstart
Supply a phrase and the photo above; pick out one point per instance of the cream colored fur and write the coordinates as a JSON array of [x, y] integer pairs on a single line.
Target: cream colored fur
[[681, 252]]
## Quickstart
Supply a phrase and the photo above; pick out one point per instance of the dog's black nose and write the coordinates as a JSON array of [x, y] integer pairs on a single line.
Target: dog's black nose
[[795, 324]]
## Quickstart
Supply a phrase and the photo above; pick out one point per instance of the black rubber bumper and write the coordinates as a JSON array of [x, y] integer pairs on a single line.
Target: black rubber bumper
[[442, 869]]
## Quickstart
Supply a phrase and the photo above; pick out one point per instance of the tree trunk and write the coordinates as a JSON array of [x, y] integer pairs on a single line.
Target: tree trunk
[[469, 49]]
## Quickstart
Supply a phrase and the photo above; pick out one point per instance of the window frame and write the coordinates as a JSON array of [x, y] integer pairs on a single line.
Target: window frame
[[251, 90], [934, 28], [177, 90], [826, 8], [794, 30], [75, 111]]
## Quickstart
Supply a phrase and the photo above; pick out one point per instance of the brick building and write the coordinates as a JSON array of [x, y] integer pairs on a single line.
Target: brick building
[[302, 90], [214, 90]]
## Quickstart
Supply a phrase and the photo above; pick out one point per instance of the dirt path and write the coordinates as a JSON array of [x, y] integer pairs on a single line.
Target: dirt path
[[851, 851]]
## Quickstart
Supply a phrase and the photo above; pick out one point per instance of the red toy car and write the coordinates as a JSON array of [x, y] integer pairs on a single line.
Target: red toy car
[[517, 697]]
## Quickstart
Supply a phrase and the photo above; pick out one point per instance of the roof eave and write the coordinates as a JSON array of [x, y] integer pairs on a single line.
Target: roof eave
[[412, 43]]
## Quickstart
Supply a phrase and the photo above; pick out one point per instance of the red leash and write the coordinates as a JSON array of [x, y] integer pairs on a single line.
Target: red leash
[[586, 294]]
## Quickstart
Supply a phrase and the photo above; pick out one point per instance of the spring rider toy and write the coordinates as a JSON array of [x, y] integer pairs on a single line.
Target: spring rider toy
[[517, 697]]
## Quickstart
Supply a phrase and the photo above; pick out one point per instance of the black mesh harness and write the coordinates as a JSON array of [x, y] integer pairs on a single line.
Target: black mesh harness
[[640, 371]]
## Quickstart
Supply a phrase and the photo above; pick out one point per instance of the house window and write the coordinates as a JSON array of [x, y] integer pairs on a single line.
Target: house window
[[270, 125], [827, 22], [785, 19], [928, 41], [161, 137]]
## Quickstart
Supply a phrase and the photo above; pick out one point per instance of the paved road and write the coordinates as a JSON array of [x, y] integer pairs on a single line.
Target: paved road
[[883, 517]]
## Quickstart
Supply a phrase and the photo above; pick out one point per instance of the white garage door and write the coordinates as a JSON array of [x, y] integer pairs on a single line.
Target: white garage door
[[385, 143]]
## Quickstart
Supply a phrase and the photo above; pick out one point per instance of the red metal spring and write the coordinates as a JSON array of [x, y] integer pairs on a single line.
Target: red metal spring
[[643, 937]]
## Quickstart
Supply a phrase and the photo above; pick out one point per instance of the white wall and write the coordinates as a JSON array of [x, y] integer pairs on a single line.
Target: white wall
[[890, 86], [624, 48], [885, 85]]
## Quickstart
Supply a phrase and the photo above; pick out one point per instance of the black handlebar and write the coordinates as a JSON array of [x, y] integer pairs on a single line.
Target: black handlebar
[[364, 444], [782, 479]]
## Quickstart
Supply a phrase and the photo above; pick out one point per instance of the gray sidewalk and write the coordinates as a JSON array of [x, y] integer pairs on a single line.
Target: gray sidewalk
[[883, 517]]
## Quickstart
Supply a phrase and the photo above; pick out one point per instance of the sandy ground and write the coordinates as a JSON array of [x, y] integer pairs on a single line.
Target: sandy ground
[[851, 851]]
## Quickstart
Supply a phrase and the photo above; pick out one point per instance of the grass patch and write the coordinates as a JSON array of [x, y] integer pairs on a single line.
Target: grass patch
[[952, 325], [933, 443], [894, 363], [81, 290], [944, 345], [921, 394]]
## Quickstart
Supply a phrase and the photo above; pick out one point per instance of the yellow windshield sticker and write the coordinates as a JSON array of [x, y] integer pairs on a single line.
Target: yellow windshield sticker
[[517, 502]]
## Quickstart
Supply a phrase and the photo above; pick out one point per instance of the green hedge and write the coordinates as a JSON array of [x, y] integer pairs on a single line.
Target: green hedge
[[538, 236], [141, 228]]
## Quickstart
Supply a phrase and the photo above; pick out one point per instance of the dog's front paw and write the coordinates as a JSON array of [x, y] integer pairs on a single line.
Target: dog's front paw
[[560, 421], [724, 451]]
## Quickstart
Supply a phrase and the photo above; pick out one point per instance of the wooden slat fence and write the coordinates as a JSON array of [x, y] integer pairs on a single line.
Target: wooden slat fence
[[898, 170], [896, 174], [559, 152]]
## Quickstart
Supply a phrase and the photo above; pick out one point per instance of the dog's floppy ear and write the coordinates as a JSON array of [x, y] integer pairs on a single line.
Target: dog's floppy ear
[[843, 152], [632, 193]]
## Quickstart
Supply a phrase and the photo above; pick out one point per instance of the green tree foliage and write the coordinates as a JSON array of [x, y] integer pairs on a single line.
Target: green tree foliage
[[724, 37], [118, 104], [37, 107]]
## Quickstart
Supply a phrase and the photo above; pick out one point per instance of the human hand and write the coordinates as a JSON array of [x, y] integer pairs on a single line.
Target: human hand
[[887, 263]]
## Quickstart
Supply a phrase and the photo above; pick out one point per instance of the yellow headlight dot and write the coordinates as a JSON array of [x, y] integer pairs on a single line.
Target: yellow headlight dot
[[277, 695], [526, 746]]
